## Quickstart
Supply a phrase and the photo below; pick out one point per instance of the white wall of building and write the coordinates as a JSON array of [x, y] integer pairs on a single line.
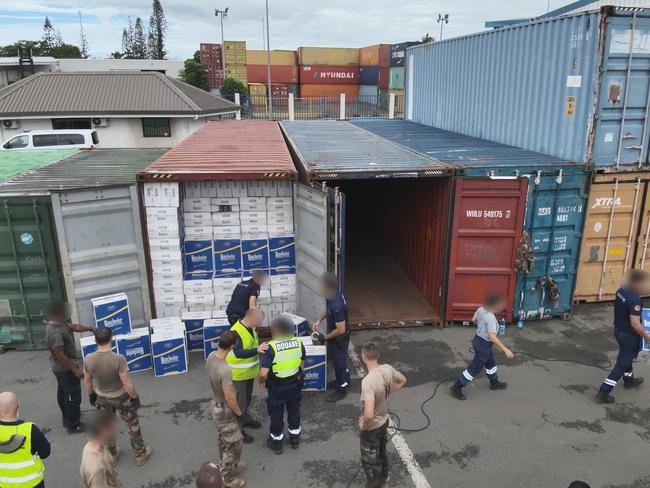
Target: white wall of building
[[121, 132], [169, 66]]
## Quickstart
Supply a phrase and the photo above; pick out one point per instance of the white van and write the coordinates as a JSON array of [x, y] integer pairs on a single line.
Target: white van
[[53, 139]]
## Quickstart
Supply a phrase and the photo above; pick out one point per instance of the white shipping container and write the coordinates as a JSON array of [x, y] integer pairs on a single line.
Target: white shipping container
[[197, 219], [196, 204], [252, 204]]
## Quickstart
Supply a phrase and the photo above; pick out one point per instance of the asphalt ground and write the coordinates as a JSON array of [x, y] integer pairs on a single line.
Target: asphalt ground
[[545, 430]]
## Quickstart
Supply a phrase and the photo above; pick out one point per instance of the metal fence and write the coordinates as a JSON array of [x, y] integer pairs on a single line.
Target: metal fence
[[310, 108]]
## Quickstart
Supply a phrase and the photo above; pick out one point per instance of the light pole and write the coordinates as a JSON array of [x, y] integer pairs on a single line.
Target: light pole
[[222, 14], [442, 20], [268, 61]]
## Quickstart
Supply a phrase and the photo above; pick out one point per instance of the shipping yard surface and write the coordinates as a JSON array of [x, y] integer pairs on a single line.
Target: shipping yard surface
[[544, 431]]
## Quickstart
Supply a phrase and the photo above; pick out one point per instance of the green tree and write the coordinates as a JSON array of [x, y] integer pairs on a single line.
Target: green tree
[[83, 42], [195, 74], [139, 40], [426, 38], [49, 34], [157, 31], [197, 56], [231, 86], [127, 40], [36, 48], [66, 51]]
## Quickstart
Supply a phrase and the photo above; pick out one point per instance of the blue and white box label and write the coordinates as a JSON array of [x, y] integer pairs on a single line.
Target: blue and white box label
[[136, 349], [315, 366], [169, 351], [212, 330], [645, 319], [112, 311], [227, 256], [194, 329], [255, 254], [198, 256], [282, 252], [89, 346]]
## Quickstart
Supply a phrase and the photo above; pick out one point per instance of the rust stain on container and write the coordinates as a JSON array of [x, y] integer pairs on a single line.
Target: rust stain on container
[[487, 223], [227, 150]]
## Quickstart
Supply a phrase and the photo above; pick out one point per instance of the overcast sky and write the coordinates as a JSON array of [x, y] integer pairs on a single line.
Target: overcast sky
[[341, 23]]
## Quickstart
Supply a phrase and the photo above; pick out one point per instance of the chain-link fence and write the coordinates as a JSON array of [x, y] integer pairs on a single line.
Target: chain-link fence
[[310, 108]]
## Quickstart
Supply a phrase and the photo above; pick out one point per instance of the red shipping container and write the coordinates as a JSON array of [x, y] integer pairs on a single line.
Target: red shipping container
[[383, 78], [257, 73], [329, 75], [384, 55], [280, 90], [488, 221], [210, 55]]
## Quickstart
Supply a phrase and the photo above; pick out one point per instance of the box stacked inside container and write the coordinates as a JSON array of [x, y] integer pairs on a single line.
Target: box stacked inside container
[[211, 58], [235, 59], [328, 72]]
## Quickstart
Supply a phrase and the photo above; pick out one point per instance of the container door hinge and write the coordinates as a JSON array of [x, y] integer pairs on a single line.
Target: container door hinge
[[538, 178], [558, 178]]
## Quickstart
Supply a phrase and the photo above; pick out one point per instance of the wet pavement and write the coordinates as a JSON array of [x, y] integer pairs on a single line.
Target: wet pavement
[[545, 430]]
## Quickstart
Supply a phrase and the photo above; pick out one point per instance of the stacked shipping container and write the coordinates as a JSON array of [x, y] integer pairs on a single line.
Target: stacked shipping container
[[328, 71], [284, 72], [211, 58], [235, 59], [374, 64]]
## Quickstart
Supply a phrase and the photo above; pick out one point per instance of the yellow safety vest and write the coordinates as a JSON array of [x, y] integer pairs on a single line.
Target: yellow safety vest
[[244, 368], [288, 356], [20, 468]]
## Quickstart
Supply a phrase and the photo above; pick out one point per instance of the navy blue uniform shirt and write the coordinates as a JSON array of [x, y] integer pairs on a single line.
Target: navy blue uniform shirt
[[266, 360], [337, 311], [239, 302], [627, 303]]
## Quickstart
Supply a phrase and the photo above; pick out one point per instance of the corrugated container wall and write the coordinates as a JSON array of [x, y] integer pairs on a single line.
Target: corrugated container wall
[[396, 81], [376, 55], [328, 56], [329, 75], [368, 75], [234, 53], [556, 86], [351, 91], [258, 73], [278, 57]]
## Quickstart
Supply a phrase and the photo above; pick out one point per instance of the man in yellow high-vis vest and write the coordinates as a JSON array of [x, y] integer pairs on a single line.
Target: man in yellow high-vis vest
[[22, 446], [245, 365]]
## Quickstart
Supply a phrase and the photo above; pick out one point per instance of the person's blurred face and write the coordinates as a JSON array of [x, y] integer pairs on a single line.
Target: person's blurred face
[[106, 435]]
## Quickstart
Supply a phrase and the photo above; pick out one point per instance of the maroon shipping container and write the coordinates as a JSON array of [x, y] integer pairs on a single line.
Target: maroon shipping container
[[210, 55], [257, 73], [215, 76], [329, 75], [488, 219], [280, 90], [383, 78], [384, 56]]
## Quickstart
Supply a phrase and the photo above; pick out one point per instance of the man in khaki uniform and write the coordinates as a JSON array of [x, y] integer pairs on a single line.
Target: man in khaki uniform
[[226, 411], [381, 381], [97, 469], [111, 388]]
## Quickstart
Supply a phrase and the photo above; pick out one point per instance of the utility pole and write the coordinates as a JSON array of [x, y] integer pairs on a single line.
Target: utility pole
[[83, 42], [442, 20], [222, 14], [268, 60]]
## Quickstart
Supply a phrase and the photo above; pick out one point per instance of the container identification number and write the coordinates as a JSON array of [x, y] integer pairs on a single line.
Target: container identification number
[[489, 214]]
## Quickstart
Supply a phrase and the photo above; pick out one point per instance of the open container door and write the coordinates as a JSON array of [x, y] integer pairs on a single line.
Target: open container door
[[319, 223], [487, 225]]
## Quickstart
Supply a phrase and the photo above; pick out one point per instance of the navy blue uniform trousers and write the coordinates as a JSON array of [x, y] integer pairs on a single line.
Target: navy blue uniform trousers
[[284, 395], [483, 358], [629, 344], [337, 352]]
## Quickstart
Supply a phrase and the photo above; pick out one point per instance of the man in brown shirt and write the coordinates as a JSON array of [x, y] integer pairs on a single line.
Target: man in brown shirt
[[97, 469], [110, 387], [381, 381], [225, 411]]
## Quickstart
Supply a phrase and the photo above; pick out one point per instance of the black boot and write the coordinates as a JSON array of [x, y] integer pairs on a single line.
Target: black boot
[[498, 385], [295, 442], [632, 383], [603, 397], [275, 446], [248, 439], [457, 391], [336, 395]]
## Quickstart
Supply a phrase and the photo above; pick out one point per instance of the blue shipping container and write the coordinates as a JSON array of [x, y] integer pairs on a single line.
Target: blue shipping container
[[368, 75], [575, 86], [555, 204]]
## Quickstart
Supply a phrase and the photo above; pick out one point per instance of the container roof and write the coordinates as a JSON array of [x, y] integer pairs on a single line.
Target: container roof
[[17, 162], [227, 150], [331, 149], [107, 93], [456, 149], [85, 169]]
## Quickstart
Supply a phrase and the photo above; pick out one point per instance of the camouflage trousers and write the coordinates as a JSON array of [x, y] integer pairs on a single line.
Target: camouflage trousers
[[373, 456], [229, 438], [124, 406]]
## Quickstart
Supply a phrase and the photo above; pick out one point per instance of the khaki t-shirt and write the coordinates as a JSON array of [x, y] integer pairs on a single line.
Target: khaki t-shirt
[[96, 469], [219, 374], [375, 386], [105, 367]]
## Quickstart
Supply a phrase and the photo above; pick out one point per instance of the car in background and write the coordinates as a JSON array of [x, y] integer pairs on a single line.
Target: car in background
[[53, 139]]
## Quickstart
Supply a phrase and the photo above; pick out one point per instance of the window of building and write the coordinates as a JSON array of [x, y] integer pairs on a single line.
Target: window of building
[[71, 124], [156, 128]]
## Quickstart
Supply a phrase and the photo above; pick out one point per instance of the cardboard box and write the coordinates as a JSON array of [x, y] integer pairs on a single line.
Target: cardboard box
[[264, 297], [196, 204], [167, 284], [169, 195], [255, 188], [226, 218], [238, 189], [282, 252], [112, 311], [645, 320], [301, 326], [198, 219], [136, 348], [169, 351], [192, 189], [282, 271], [258, 231], [162, 213], [227, 232], [198, 233], [168, 309], [223, 188], [198, 283], [280, 230], [203, 302], [163, 229], [208, 189], [194, 329], [218, 205], [255, 254], [252, 204], [280, 217], [89, 346], [168, 249], [289, 307], [225, 286], [315, 366], [166, 322], [169, 293], [227, 256], [284, 188], [166, 267], [212, 329], [279, 204], [253, 218], [198, 255], [152, 193]]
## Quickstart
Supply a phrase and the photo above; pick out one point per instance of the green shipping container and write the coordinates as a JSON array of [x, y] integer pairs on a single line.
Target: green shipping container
[[396, 78]]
